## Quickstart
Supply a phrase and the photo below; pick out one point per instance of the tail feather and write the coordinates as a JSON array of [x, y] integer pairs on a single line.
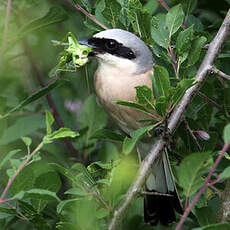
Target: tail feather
[[160, 208]]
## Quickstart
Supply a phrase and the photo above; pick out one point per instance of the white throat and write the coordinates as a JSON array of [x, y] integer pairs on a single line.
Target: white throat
[[109, 63]]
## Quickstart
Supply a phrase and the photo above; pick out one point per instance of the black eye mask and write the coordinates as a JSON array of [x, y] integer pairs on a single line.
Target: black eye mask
[[111, 46]]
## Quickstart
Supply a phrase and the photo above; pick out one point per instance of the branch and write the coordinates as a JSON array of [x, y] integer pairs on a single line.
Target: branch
[[204, 186], [220, 73], [188, 129], [87, 14], [11, 180], [164, 4], [211, 102], [174, 120]]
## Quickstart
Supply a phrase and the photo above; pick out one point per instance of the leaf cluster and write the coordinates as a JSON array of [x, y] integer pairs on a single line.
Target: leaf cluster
[[53, 191]]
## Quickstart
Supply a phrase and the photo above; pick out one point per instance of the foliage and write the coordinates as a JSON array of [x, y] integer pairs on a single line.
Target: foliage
[[56, 190]]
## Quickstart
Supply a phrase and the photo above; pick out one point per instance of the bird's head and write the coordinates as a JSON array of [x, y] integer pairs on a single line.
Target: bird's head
[[120, 49]]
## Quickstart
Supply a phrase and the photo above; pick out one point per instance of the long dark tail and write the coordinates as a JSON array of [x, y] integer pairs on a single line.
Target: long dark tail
[[160, 208]]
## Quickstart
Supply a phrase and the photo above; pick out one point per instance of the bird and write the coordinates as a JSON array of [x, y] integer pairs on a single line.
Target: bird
[[125, 62]]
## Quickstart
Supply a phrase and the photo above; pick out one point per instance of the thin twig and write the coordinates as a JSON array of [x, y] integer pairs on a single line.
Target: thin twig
[[173, 122], [11, 180], [174, 61], [164, 4], [217, 191], [20, 215], [90, 16], [192, 134], [108, 207], [222, 81], [5, 31], [204, 186], [50, 100], [211, 102], [220, 73], [155, 193]]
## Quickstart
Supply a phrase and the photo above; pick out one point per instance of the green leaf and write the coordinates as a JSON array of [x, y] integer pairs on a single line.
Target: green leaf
[[84, 173], [40, 93], [65, 172], [159, 32], [47, 181], [92, 25], [129, 143], [161, 105], [22, 127], [142, 25], [133, 6], [183, 42], [23, 181], [179, 90], [108, 152], [161, 82], [26, 208], [37, 220], [151, 7], [8, 211], [76, 192], [87, 216], [107, 134], [43, 194], [224, 55], [94, 117], [49, 122], [19, 195], [190, 172], [63, 203], [161, 53], [225, 174], [100, 169], [188, 6], [112, 11], [220, 226], [61, 133], [99, 7], [67, 226], [181, 59], [85, 3], [8, 157], [195, 50], [174, 19], [98, 164], [102, 213], [144, 95], [27, 141], [133, 105], [205, 215], [196, 22], [54, 16], [227, 133]]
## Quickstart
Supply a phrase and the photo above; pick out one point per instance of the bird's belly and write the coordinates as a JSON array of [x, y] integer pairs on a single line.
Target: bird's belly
[[111, 88]]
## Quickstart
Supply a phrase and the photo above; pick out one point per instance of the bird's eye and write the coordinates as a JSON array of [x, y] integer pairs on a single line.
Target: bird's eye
[[111, 45], [131, 53]]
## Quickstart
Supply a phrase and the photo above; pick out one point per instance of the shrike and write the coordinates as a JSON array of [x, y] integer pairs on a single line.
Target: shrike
[[124, 63]]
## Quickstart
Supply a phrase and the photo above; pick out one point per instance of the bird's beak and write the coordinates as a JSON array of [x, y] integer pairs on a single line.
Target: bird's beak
[[95, 50], [85, 43]]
